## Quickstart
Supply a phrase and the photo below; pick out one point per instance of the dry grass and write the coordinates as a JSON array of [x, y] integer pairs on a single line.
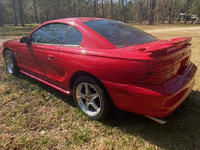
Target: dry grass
[[35, 116], [12, 31]]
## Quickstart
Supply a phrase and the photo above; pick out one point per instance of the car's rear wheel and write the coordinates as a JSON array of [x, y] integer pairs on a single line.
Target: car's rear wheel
[[90, 98], [10, 62]]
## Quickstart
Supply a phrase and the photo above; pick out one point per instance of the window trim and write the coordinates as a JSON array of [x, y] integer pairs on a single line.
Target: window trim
[[46, 44], [62, 44], [70, 45], [49, 43], [66, 35]]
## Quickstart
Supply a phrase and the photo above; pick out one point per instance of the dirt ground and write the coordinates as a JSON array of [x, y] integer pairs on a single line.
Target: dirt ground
[[174, 29]]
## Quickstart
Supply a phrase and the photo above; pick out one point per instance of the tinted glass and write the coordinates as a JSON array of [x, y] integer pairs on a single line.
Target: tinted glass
[[51, 33], [120, 34], [73, 37]]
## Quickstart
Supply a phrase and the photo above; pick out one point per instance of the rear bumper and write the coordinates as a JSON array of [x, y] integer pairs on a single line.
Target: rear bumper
[[153, 100]]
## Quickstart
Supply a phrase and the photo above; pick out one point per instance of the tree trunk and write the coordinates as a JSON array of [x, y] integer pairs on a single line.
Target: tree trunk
[[57, 8], [47, 16], [116, 13], [74, 8], [15, 15], [21, 13], [152, 12], [140, 12], [1, 18], [147, 14], [111, 9], [125, 11], [174, 11], [41, 16], [102, 9], [82, 9], [69, 9], [117, 18], [170, 14], [2, 9], [24, 15], [95, 8], [187, 7], [35, 9], [164, 11]]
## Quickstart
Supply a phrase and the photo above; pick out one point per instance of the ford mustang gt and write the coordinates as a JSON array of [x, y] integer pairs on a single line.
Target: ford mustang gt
[[103, 62]]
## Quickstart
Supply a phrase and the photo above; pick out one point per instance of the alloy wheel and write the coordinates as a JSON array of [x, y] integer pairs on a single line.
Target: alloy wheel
[[9, 63], [88, 99]]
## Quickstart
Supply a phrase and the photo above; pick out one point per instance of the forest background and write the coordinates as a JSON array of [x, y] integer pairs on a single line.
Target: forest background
[[21, 12]]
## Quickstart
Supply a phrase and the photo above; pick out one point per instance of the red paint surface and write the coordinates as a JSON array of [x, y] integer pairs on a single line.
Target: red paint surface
[[150, 79]]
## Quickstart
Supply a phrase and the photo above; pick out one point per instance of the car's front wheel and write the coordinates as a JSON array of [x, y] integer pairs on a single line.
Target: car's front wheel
[[10, 62], [90, 98]]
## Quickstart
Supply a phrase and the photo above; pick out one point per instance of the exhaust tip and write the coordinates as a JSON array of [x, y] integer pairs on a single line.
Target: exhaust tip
[[161, 121]]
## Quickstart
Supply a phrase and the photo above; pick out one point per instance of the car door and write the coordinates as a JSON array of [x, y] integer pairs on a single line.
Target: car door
[[27, 60], [45, 44], [70, 45]]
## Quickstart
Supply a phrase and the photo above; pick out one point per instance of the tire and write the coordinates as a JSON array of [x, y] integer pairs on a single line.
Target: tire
[[90, 98], [11, 63]]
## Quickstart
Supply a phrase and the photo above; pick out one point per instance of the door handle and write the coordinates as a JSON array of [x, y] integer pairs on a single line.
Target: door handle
[[50, 57]]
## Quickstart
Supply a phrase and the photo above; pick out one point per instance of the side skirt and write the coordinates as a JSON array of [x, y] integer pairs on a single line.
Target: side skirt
[[45, 82]]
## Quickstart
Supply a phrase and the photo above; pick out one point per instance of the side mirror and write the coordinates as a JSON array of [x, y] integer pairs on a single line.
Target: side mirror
[[25, 40]]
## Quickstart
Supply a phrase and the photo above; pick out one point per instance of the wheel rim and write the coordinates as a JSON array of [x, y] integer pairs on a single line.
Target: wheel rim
[[9, 63], [88, 99]]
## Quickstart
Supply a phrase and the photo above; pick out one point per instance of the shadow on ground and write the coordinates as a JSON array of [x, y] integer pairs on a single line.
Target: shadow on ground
[[182, 131]]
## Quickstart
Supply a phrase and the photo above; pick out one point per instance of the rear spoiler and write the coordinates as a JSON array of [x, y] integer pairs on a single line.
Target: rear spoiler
[[170, 46]]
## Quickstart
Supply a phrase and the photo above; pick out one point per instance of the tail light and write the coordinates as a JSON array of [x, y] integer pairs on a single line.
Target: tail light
[[159, 74]]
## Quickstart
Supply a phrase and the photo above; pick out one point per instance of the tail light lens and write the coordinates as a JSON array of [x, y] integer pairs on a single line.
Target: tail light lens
[[159, 74]]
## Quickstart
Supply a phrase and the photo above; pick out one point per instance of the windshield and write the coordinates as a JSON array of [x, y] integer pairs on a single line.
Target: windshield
[[119, 33]]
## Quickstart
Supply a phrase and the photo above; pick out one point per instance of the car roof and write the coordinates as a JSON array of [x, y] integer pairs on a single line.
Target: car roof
[[91, 38], [77, 20]]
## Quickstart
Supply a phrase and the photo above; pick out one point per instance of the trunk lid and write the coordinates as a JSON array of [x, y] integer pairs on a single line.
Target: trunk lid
[[164, 47], [171, 58]]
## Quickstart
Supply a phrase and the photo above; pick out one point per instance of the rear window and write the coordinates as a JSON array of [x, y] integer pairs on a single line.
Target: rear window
[[119, 33]]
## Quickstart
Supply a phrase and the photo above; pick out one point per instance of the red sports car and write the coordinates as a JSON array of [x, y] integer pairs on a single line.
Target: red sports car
[[103, 62]]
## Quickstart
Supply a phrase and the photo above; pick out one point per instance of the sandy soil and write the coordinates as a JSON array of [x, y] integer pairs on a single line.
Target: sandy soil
[[173, 29]]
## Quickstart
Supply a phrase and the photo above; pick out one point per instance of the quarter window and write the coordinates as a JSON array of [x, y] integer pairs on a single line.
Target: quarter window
[[73, 37]]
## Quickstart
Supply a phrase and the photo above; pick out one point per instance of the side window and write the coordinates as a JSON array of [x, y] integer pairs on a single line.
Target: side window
[[51, 33], [73, 37]]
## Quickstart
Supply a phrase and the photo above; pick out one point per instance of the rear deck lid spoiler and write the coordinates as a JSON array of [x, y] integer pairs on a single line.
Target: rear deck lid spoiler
[[162, 48]]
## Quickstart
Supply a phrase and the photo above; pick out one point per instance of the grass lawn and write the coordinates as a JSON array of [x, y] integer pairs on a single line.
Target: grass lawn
[[36, 116]]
